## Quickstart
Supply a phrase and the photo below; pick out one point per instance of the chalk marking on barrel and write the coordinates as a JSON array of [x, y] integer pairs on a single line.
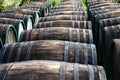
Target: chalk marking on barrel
[[85, 24], [18, 51], [10, 52], [76, 71], [78, 35], [27, 35], [84, 35], [91, 72], [3, 52], [40, 35], [94, 55], [90, 36], [51, 24], [62, 71], [5, 71], [29, 50], [66, 51], [77, 49], [101, 76], [70, 34], [85, 53]]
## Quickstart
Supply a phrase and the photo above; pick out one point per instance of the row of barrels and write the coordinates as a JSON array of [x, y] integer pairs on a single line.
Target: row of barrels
[[14, 21], [105, 18], [59, 47]]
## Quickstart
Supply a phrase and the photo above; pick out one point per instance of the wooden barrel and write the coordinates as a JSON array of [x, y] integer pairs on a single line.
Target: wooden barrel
[[35, 14], [51, 70], [103, 4], [91, 3], [101, 11], [109, 21], [63, 17], [104, 23], [7, 34], [107, 35], [115, 57], [71, 3], [1, 44], [50, 50], [28, 19], [58, 33], [67, 13], [67, 6], [65, 23], [64, 9], [18, 24], [112, 14], [39, 9]]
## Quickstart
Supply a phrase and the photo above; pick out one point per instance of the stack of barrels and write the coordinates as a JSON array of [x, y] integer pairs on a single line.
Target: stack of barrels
[[14, 21], [105, 17], [59, 47]]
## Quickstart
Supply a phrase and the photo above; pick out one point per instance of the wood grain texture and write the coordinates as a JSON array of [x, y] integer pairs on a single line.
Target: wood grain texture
[[65, 23], [49, 50], [50, 70], [62, 17], [58, 33]]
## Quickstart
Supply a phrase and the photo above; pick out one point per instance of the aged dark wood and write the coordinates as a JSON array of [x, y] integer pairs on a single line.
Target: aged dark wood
[[28, 19], [50, 50], [35, 14], [18, 24], [63, 17], [58, 33], [50, 70], [64, 9], [109, 33], [66, 13], [65, 23], [115, 51]]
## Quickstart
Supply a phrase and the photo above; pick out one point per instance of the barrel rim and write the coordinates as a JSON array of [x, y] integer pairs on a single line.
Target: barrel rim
[[23, 23], [32, 19], [11, 27]]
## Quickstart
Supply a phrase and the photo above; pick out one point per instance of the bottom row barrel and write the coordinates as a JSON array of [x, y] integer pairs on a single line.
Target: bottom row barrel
[[50, 70], [49, 50]]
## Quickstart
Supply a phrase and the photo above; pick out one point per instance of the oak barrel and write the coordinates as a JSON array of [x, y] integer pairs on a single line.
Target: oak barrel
[[58, 33], [109, 33], [115, 51], [28, 19], [18, 24], [63, 17], [66, 13], [8, 34], [35, 14], [65, 23], [49, 50], [64, 9], [50, 70]]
